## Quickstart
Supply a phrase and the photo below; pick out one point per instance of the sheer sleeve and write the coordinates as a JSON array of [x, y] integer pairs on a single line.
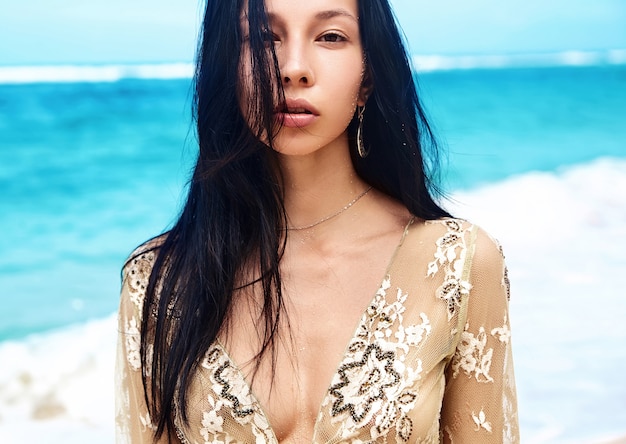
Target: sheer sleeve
[[132, 421], [480, 403]]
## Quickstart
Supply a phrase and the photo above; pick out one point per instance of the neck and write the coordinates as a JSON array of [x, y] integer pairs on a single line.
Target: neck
[[319, 185]]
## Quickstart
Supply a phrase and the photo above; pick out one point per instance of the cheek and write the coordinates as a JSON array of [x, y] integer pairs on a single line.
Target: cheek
[[347, 77], [350, 93]]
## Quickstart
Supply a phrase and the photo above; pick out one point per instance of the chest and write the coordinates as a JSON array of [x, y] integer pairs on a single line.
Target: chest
[[325, 297], [388, 380], [362, 355], [387, 377]]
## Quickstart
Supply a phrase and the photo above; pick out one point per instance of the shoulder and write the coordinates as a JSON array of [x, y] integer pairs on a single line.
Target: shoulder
[[470, 265], [454, 232], [136, 274], [139, 263], [459, 246], [472, 255]]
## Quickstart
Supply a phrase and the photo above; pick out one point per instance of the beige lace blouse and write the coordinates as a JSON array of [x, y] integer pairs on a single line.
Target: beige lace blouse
[[429, 362]]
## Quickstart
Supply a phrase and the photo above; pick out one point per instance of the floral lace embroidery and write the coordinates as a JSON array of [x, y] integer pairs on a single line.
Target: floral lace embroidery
[[509, 411], [506, 283], [451, 253], [133, 342], [211, 421], [481, 421], [413, 334], [472, 357], [138, 275], [502, 333], [235, 401], [363, 382], [146, 422], [374, 385]]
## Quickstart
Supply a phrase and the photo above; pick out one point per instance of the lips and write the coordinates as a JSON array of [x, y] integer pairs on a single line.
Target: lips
[[296, 113], [296, 106]]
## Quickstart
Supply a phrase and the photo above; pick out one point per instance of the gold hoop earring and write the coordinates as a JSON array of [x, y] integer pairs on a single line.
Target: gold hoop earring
[[360, 143]]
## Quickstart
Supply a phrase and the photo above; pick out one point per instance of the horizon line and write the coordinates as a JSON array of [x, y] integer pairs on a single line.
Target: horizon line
[[422, 63]]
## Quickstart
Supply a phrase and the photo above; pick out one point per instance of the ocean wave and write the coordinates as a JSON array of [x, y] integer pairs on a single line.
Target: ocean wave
[[422, 63], [93, 73], [563, 234], [58, 387], [427, 63]]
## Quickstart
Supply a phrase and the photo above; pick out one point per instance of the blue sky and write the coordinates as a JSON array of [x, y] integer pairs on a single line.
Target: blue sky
[[105, 31]]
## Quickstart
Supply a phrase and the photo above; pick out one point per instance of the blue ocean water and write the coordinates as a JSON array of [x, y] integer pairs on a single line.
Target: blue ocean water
[[502, 122], [88, 170]]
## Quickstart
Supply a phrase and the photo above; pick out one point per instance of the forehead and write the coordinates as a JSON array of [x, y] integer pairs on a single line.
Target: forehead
[[299, 10]]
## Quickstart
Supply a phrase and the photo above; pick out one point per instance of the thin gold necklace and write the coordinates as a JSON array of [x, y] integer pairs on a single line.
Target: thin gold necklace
[[324, 219]]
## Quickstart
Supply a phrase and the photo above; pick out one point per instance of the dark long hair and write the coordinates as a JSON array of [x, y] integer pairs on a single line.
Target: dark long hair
[[234, 214]]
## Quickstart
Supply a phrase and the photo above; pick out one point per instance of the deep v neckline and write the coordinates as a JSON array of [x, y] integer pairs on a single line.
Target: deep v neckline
[[255, 400]]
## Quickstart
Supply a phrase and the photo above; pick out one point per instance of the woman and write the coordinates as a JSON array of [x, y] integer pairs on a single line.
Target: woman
[[312, 290]]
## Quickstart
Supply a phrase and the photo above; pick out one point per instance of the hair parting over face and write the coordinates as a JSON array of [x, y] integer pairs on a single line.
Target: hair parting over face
[[233, 218]]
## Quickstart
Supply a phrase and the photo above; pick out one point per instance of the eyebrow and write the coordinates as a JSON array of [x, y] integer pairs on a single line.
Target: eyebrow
[[322, 15], [325, 15]]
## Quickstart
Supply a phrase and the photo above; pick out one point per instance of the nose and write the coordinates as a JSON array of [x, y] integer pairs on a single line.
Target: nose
[[295, 66]]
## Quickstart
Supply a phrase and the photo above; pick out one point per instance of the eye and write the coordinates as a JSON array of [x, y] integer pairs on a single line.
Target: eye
[[269, 36], [333, 37]]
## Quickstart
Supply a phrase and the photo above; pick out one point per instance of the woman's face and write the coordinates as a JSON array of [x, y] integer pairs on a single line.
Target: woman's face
[[321, 63]]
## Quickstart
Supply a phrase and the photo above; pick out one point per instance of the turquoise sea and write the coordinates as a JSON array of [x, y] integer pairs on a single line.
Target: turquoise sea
[[89, 169]]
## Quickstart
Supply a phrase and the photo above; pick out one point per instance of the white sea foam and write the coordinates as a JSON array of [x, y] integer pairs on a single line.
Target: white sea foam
[[58, 388], [564, 235], [93, 73], [425, 63]]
